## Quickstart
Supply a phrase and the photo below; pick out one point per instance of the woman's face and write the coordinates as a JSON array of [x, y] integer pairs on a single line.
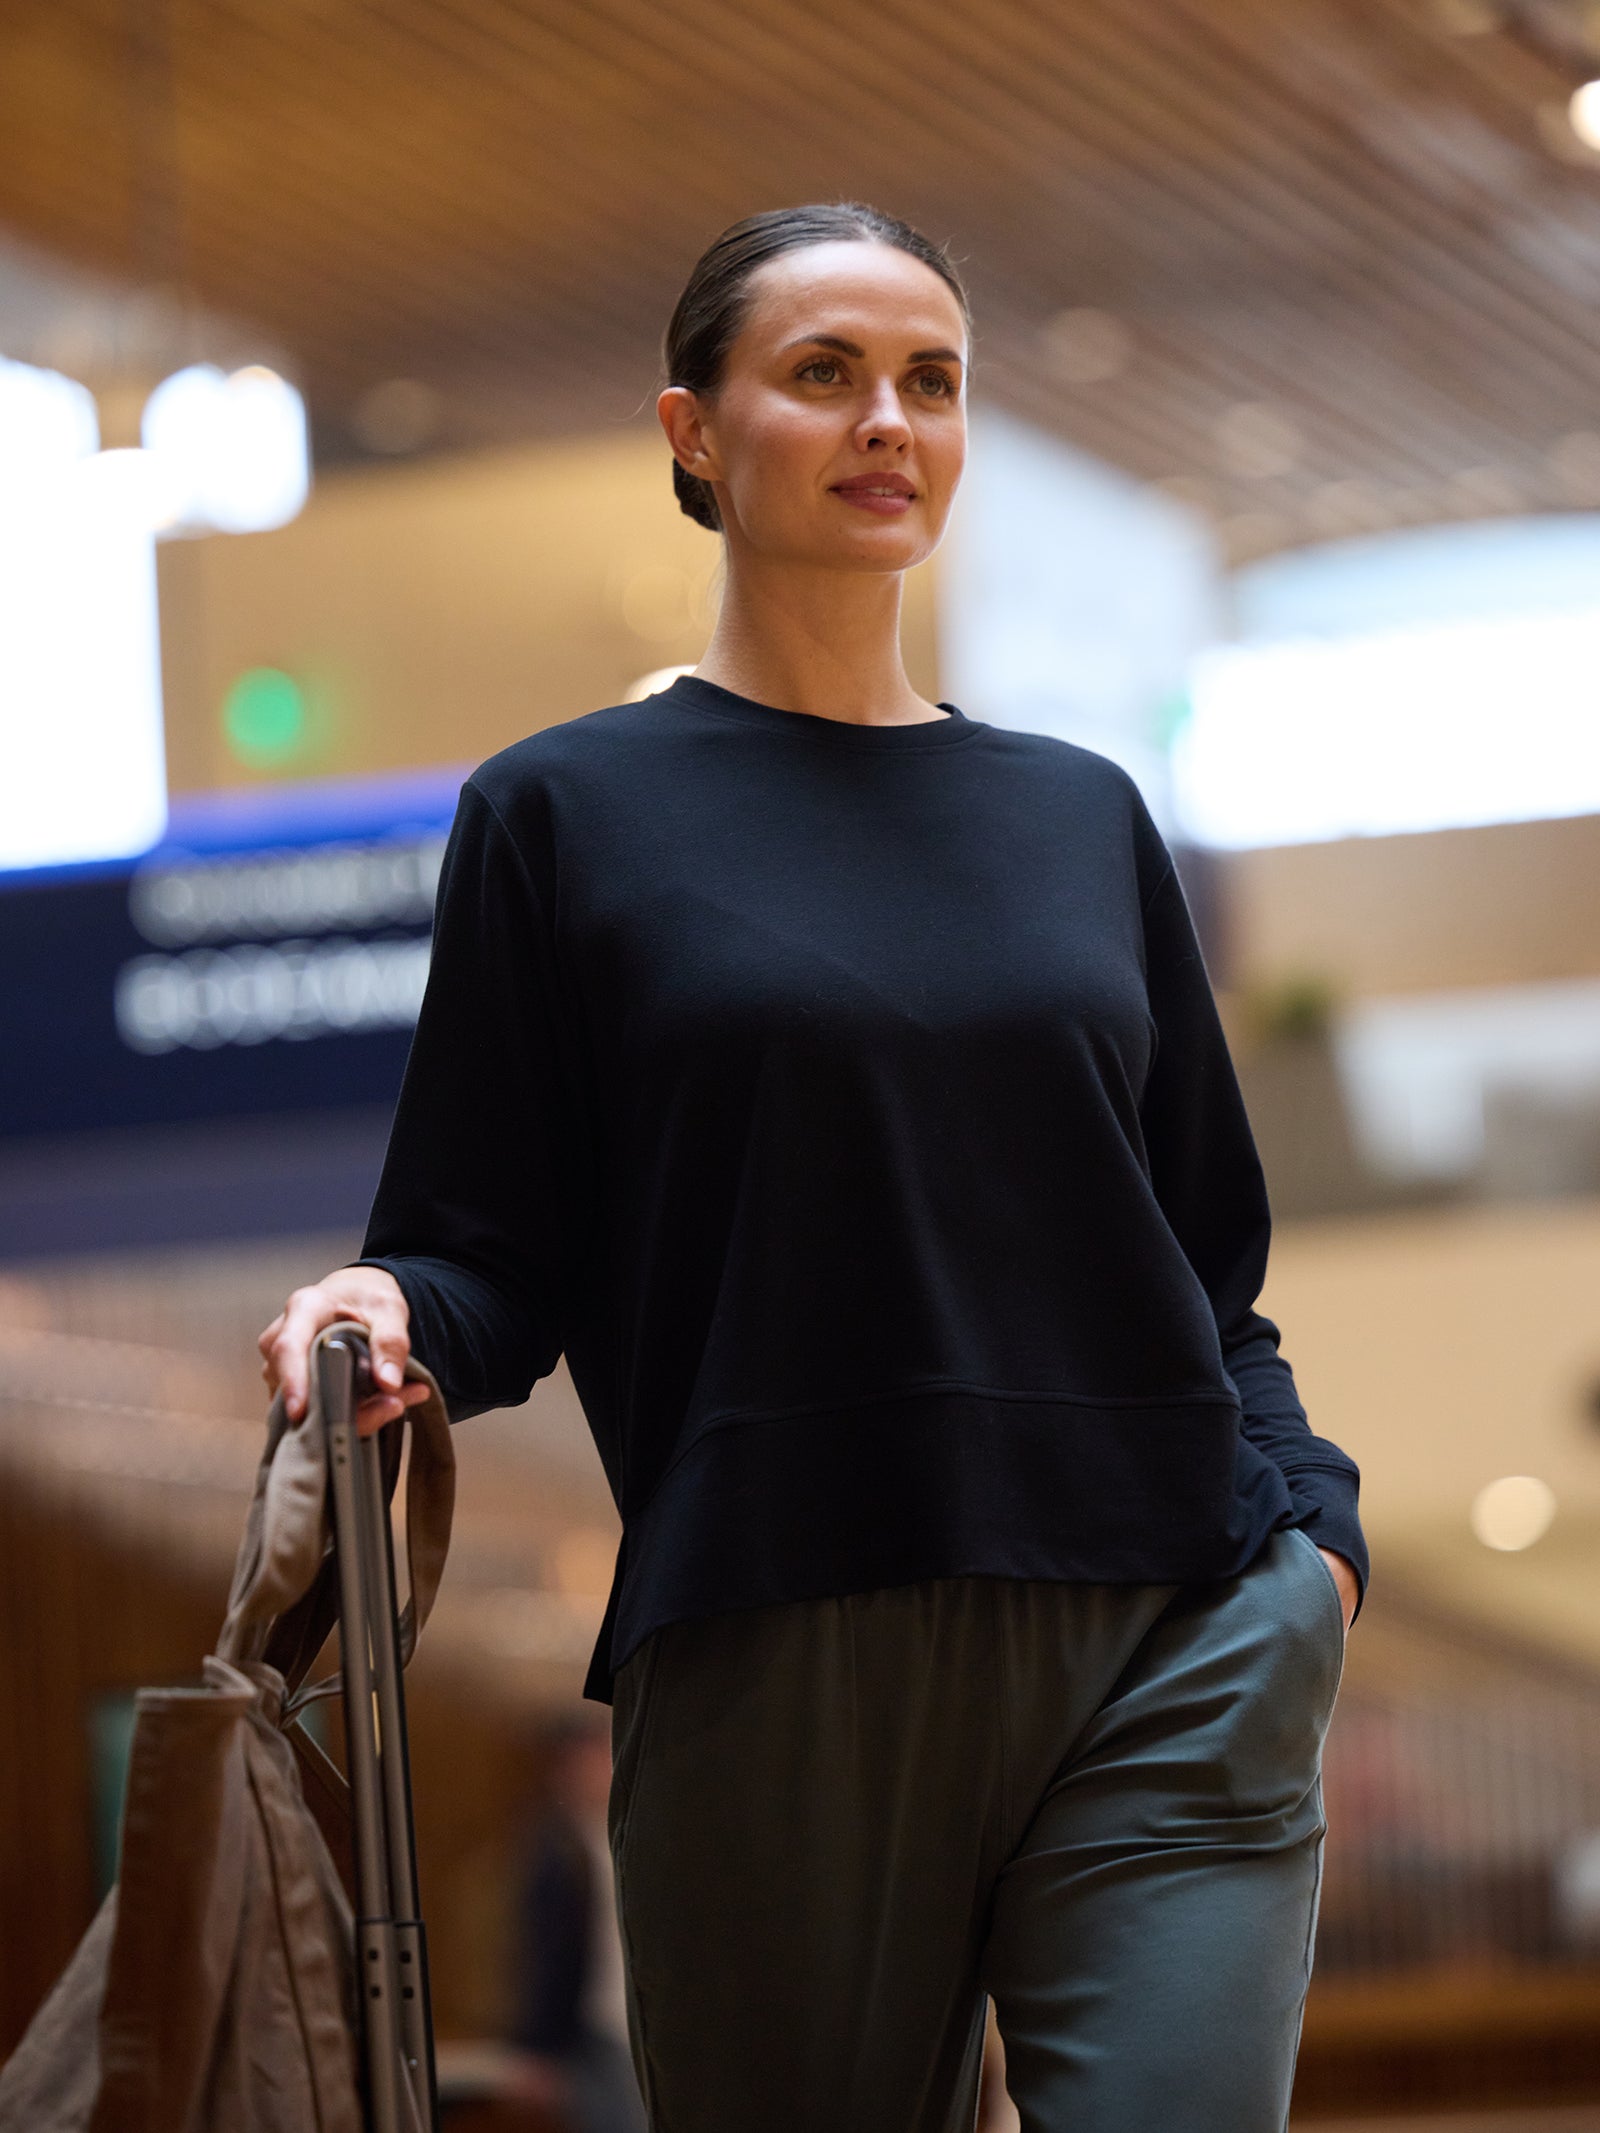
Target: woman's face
[[847, 379]]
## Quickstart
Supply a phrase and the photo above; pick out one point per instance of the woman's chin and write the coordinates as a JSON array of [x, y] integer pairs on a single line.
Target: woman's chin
[[876, 545]]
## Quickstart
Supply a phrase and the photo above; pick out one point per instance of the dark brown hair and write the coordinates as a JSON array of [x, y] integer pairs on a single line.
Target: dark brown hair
[[712, 308]]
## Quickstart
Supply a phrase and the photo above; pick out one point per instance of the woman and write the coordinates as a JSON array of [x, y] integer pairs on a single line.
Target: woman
[[835, 1080]]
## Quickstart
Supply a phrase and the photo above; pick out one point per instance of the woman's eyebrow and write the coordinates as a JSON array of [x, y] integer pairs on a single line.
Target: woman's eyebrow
[[849, 348]]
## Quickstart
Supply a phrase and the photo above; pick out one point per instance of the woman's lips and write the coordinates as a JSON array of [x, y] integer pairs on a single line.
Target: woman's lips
[[891, 504]]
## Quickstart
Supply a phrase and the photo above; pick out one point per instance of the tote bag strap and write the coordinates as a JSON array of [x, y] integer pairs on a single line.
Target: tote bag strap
[[284, 1600]]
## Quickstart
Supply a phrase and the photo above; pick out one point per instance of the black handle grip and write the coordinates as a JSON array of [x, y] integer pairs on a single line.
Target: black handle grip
[[356, 1345]]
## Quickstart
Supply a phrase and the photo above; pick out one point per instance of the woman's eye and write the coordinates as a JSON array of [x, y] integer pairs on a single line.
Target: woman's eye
[[929, 384]]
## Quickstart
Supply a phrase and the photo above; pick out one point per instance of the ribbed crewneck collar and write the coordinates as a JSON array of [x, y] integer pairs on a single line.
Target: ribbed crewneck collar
[[690, 692]]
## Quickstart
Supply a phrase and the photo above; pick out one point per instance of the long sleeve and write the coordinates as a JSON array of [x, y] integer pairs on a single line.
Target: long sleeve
[[486, 1198], [1208, 1178]]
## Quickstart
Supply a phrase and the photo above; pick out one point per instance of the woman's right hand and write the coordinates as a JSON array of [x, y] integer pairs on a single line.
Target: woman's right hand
[[371, 1296]]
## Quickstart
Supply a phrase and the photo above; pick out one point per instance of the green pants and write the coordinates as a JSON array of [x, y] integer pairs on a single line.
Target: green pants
[[838, 1824]]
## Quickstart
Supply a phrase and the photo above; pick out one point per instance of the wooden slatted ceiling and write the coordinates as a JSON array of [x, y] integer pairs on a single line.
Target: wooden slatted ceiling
[[1337, 210]]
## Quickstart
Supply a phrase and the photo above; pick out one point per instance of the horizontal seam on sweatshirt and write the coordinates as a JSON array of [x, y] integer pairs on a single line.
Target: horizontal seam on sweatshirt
[[740, 1417], [987, 1392]]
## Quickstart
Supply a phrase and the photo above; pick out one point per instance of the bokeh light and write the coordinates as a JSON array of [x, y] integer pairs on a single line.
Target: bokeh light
[[1513, 1512], [236, 446], [264, 717]]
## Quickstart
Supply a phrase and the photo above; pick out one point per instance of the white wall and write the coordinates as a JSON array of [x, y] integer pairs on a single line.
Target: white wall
[[1072, 598]]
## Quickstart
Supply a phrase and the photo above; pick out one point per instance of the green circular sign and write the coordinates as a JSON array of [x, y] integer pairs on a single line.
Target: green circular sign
[[264, 717]]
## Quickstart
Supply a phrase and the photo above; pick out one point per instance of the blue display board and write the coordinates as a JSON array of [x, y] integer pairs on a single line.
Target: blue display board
[[269, 956]]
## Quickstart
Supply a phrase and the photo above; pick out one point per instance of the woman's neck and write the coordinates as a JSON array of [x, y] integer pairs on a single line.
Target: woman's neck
[[827, 642]]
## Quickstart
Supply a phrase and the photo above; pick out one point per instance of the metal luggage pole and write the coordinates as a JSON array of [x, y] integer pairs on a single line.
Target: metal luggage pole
[[396, 2012]]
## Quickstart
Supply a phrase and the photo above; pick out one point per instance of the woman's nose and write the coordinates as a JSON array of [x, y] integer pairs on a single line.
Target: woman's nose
[[884, 419]]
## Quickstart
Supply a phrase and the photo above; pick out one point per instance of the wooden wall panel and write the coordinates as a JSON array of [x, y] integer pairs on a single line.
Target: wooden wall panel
[[1506, 903]]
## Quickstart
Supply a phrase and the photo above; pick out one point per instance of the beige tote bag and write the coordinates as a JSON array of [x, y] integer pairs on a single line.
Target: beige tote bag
[[214, 1991]]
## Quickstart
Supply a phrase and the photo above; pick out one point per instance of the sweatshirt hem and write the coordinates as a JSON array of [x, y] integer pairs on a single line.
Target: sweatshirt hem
[[953, 1484]]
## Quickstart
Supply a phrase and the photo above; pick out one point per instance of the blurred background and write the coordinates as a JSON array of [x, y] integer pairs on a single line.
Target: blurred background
[[328, 465]]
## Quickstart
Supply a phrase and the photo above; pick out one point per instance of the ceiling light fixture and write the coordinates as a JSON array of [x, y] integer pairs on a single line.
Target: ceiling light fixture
[[1085, 346], [1257, 441], [1583, 113], [233, 447]]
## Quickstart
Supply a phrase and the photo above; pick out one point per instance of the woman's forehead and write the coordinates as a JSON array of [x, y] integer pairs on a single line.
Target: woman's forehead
[[853, 291]]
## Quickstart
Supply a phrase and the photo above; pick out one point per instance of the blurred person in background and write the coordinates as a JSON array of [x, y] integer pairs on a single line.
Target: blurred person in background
[[835, 1079], [567, 1986]]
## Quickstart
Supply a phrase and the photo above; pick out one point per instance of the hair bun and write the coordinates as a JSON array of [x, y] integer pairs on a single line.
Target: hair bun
[[696, 498]]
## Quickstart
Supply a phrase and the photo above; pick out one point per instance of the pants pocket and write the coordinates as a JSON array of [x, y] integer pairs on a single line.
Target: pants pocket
[[1334, 1601]]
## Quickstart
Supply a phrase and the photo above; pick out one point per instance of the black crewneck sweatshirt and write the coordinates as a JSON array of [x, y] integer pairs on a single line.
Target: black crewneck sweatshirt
[[849, 1105]]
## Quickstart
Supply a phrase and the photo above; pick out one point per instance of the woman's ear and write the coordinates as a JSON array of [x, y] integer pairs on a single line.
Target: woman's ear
[[681, 417]]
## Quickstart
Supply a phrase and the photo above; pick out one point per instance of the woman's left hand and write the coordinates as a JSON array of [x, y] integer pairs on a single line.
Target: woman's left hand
[[1345, 1578]]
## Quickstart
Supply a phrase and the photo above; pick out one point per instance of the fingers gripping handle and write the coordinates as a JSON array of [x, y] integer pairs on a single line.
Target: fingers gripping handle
[[284, 1601]]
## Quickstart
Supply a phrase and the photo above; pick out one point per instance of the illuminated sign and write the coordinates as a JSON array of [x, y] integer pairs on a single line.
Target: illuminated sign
[[270, 956]]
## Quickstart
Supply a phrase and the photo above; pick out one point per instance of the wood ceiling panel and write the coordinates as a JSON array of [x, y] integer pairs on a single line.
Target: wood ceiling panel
[[1331, 208]]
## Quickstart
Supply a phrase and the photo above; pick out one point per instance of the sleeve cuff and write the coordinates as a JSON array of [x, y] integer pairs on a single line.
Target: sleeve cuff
[[1325, 1508]]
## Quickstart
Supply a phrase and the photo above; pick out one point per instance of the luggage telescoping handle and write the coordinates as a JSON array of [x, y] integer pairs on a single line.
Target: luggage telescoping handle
[[392, 1955]]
